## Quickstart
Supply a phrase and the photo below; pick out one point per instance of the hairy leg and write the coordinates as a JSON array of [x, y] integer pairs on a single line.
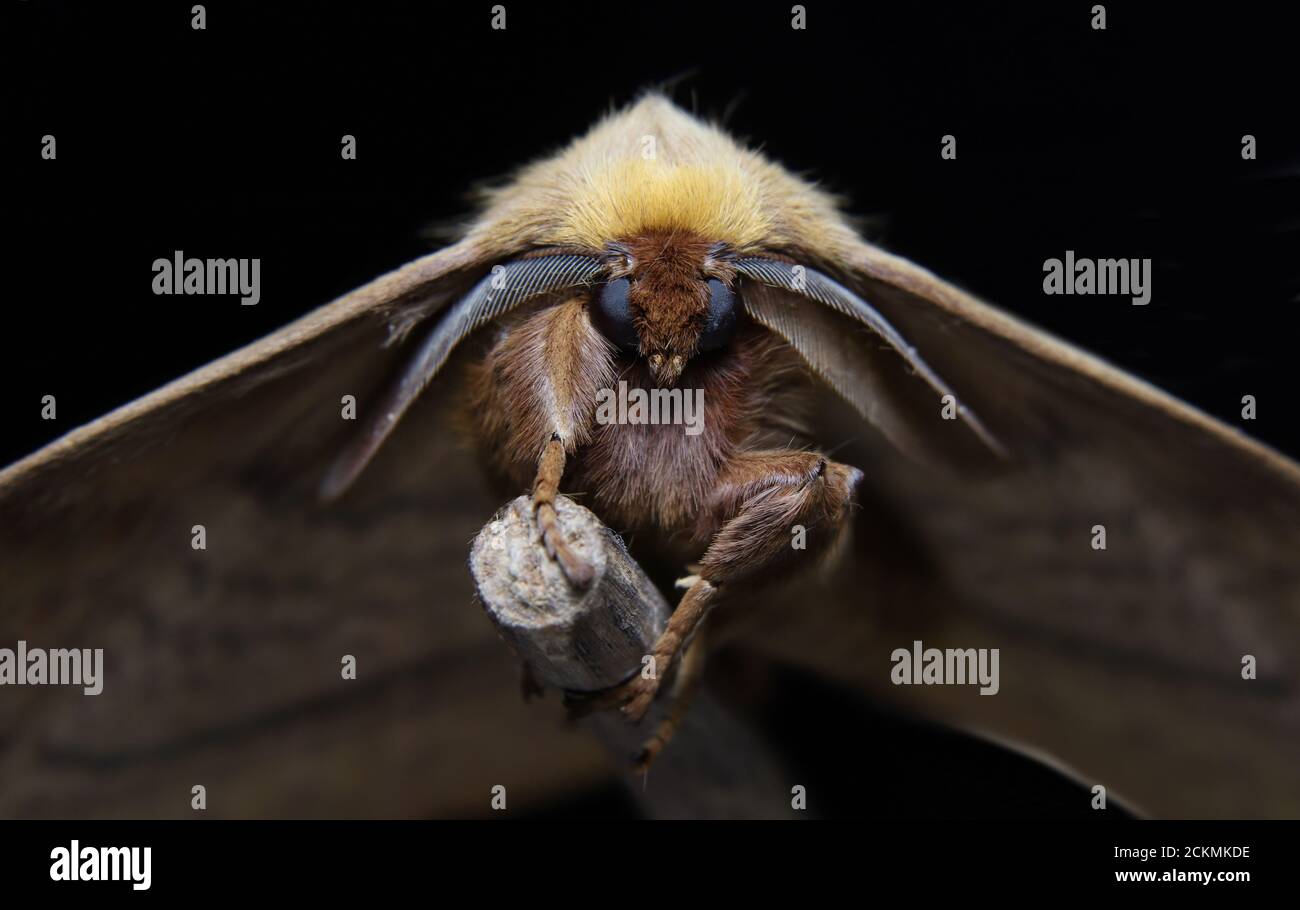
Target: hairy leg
[[689, 673], [533, 401], [550, 468], [761, 500]]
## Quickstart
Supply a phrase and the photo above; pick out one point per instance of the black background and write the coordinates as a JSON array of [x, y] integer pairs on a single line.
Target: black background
[[225, 143]]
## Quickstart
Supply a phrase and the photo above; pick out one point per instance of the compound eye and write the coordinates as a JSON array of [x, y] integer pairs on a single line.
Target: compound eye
[[613, 317], [721, 322]]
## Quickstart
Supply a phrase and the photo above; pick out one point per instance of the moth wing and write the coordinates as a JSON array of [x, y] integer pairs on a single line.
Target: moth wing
[[224, 667], [864, 369], [1124, 664]]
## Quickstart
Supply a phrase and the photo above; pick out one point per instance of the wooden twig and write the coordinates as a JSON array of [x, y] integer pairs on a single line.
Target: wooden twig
[[585, 641], [579, 641]]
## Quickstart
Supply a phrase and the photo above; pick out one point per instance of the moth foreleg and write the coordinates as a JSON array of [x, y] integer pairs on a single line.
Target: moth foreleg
[[532, 404], [550, 468], [763, 502], [689, 673]]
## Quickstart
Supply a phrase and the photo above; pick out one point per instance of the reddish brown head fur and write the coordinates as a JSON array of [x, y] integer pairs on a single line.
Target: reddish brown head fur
[[669, 296]]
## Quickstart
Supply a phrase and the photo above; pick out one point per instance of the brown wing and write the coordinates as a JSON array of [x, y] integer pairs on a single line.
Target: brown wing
[[223, 666], [854, 349], [1123, 664]]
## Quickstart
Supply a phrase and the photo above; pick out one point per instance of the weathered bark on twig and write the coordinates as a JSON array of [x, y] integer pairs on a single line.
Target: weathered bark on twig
[[584, 641], [579, 641]]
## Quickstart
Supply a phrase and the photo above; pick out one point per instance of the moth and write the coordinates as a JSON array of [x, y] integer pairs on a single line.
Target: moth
[[946, 469]]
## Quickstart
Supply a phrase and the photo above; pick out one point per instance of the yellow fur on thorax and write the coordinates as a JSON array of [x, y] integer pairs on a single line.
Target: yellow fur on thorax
[[655, 167], [628, 197]]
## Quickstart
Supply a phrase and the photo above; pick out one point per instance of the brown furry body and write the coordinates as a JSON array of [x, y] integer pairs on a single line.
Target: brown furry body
[[646, 480], [747, 498], [664, 488]]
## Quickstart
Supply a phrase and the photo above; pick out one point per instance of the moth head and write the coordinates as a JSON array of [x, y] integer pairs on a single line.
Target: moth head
[[668, 298]]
